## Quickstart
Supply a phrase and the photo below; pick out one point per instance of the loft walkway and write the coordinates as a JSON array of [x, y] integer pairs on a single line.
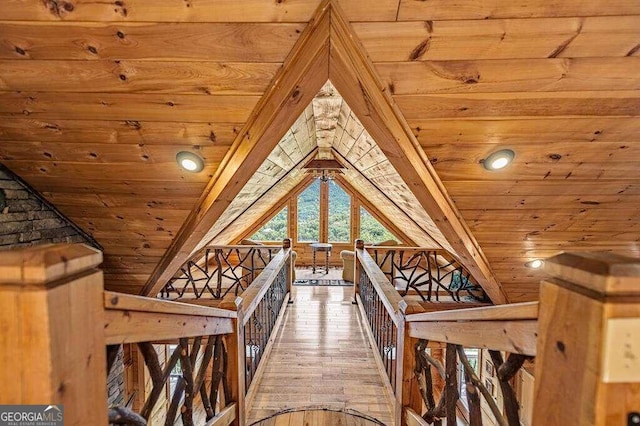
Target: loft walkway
[[321, 358], [53, 300], [317, 417]]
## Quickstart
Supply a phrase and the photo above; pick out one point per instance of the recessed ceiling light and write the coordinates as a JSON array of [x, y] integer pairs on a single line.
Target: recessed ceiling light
[[535, 264], [190, 161], [499, 159]]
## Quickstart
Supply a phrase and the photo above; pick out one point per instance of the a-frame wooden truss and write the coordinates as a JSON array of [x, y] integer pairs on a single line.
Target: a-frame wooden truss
[[328, 49]]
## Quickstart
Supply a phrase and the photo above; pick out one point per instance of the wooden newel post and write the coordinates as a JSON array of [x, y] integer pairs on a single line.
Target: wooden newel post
[[286, 244], [588, 346], [52, 344], [407, 388], [356, 269]]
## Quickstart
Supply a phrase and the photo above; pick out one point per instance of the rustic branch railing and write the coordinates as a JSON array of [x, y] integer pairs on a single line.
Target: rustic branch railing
[[216, 271], [428, 272], [447, 406], [510, 328], [202, 350], [68, 336]]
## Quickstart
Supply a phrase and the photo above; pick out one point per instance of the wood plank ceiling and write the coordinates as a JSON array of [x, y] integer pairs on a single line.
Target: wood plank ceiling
[[96, 98]]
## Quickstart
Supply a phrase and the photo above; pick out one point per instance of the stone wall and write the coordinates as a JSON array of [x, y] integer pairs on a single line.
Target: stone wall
[[115, 381], [26, 218]]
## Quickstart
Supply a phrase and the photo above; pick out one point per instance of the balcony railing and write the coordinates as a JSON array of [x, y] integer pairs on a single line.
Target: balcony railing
[[430, 273], [69, 330], [217, 271], [59, 325]]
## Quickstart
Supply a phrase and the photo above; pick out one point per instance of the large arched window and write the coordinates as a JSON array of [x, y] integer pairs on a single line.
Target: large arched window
[[324, 213]]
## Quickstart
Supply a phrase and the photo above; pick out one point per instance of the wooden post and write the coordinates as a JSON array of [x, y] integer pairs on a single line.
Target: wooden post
[[356, 269], [236, 354], [588, 346], [451, 384], [52, 344], [407, 388], [286, 244]]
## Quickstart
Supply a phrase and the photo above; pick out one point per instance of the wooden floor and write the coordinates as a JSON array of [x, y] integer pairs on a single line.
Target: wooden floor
[[316, 417], [321, 359]]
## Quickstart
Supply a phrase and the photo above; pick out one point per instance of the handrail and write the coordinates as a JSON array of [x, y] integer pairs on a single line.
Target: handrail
[[132, 319], [254, 294], [130, 302], [513, 312], [517, 337], [387, 293]]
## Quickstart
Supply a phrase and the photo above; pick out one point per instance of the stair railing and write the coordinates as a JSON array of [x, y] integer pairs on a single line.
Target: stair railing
[[584, 334], [57, 322]]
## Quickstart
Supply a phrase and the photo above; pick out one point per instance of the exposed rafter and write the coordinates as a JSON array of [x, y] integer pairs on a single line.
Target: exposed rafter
[[302, 75], [354, 76]]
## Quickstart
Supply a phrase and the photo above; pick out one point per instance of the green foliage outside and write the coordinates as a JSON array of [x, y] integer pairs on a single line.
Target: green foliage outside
[[275, 229], [372, 231], [309, 213], [339, 214]]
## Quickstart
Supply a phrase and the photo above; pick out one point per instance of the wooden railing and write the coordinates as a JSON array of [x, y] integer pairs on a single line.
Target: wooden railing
[[200, 350], [57, 322], [590, 308], [217, 271], [263, 303], [379, 303], [580, 333], [430, 273], [508, 328]]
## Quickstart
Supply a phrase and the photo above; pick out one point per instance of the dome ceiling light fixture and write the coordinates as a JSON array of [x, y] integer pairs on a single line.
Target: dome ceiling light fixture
[[534, 264], [498, 160], [190, 162]]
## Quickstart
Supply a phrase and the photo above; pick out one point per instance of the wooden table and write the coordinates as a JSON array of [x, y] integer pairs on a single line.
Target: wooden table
[[321, 247]]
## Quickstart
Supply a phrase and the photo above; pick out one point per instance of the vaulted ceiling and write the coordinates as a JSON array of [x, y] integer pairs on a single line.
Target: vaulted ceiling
[[96, 99], [328, 128]]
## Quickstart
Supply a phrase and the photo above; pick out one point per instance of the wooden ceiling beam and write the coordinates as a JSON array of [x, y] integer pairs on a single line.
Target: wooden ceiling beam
[[302, 75], [355, 78]]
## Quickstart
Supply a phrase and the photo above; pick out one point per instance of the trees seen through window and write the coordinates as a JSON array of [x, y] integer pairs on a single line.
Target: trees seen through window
[[275, 229], [372, 231]]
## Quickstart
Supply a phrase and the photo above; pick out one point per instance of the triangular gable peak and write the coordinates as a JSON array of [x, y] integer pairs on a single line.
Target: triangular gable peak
[[328, 49]]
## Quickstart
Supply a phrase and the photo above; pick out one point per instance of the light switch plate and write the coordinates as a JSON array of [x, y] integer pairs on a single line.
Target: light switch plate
[[622, 351]]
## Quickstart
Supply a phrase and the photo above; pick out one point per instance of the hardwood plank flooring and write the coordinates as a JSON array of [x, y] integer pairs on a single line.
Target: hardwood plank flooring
[[321, 359], [316, 417]]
